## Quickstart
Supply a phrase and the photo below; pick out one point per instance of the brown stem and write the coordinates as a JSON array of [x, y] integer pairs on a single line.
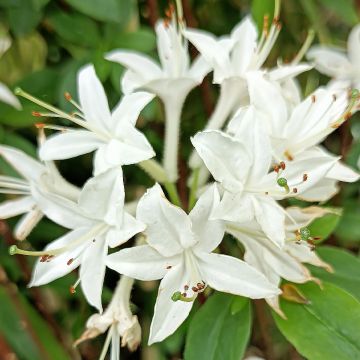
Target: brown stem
[[182, 186], [346, 139], [153, 11], [263, 321]]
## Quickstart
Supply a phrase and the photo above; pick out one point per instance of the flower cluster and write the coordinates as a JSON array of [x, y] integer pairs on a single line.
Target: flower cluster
[[261, 147]]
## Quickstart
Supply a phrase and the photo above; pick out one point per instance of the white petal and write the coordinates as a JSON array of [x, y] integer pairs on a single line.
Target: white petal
[[24, 164], [323, 190], [198, 69], [214, 51], [329, 61], [168, 226], [225, 157], [266, 97], [132, 81], [209, 232], [353, 45], [245, 37], [92, 271], [270, 216], [141, 262], [231, 275], [16, 207], [27, 223], [286, 72], [342, 172], [303, 253], [169, 315], [45, 272], [8, 97], [92, 98], [125, 230], [69, 144], [131, 149], [139, 63], [102, 197], [100, 160], [129, 108], [234, 207], [61, 210]]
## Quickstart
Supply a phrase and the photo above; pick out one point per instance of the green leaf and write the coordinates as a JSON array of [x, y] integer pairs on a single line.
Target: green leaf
[[23, 17], [220, 329], [259, 8], [104, 10], [349, 229], [328, 328], [344, 9], [17, 317], [75, 28], [143, 40], [323, 227], [346, 269]]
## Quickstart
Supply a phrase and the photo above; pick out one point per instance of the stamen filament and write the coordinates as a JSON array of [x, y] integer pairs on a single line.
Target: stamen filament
[[92, 233], [305, 47]]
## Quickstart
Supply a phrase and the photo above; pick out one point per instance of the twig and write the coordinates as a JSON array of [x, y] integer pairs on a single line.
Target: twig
[[263, 321]]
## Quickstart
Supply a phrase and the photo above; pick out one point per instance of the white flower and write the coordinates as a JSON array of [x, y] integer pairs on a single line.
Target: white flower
[[334, 62], [233, 58], [118, 320], [276, 263], [179, 252], [5, 94], [96, 221], [35, 175], [171, 81], [296, 131], [241, 164], [112, 135]]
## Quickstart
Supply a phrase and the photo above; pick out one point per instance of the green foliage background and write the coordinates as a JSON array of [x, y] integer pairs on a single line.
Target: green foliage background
[[52, 39]]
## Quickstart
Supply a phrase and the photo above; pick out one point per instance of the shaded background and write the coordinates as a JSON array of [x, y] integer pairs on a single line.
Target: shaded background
[[51, 41]]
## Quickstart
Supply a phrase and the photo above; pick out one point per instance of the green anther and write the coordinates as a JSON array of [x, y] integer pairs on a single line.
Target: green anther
[[282, 182], [13, 249], [305, 234], [176, 296], [355, 93], [18, 91]]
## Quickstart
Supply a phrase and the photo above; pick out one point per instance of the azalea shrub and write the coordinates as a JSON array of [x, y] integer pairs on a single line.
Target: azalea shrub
[[179, 180]]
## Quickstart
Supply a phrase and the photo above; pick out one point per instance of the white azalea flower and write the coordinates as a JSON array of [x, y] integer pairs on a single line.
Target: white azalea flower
[[232, 58], [112, 135], [6, 94], [35, 175], [96, 221], [296, 131], [172, 80], [117, 320], [276, 263], [334, 62], [241, 164], [179, 252]]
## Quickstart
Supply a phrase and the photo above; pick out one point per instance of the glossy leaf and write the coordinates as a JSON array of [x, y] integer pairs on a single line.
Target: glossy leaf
[[346, 269], [323, 227], [349, 229], [328, 328], [220, 329]]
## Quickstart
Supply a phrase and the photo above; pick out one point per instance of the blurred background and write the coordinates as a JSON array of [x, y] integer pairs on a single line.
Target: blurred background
[[51, 40]]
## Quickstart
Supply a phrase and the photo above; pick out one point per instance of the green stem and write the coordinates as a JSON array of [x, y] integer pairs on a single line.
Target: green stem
[[173, 193], [194, 187], [155, 170]]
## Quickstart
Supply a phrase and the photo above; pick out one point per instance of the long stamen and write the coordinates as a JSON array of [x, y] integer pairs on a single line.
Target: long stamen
[[59, 113], [305, 47], [95, 231]]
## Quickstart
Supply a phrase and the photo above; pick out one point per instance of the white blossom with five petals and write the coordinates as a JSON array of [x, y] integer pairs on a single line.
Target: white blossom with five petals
[[179, 251]]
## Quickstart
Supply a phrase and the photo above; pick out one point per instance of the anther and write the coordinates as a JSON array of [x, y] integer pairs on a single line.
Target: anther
[[36, 114], [39, 125], [282, 165], [295, 190], [186, 287], [313, 98], [194, 289], [276, 168], [305, 234], [72, 290], [288, 156], [67, 96], [169, 267], [305, 177], [70, 261], [334, 97]]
